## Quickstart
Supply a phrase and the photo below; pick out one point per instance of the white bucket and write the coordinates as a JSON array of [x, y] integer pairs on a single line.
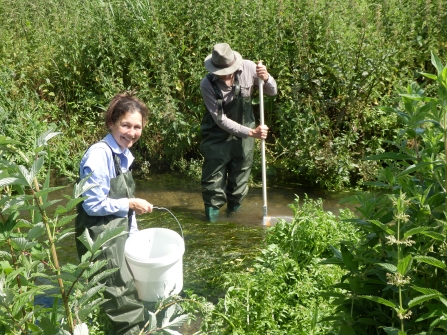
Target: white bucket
[[155, 257]]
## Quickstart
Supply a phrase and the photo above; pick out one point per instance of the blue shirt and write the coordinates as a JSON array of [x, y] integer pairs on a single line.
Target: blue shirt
[[99, 160]]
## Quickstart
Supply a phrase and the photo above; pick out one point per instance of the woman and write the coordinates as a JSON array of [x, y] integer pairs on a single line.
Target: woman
[[111, 204]]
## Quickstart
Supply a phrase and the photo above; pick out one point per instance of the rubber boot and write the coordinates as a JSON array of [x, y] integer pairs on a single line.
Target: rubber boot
[[232, 208], [211, 213]]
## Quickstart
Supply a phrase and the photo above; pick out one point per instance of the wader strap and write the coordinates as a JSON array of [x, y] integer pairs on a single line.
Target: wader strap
[[116, 160], [237, 86], [118, 171], [218, 96]]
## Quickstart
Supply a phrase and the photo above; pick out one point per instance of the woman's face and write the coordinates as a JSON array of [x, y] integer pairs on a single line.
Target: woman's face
[[127, 130]]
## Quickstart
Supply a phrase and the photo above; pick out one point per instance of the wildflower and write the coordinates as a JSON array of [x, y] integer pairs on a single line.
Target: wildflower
[[392, 240], [402, 217], [397, 279], [404, 316]]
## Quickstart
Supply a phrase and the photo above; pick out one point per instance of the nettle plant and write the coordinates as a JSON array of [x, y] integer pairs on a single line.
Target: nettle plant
[[395, 281], [32, 234], [30, 239]]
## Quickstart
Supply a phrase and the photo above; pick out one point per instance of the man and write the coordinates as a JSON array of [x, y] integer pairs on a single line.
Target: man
[[228, 127]]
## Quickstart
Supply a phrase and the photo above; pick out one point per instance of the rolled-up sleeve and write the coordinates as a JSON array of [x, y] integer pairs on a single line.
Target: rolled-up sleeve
[[270, 87], [97, 162]]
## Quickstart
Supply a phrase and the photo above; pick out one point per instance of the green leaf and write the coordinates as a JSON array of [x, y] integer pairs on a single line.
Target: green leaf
[[64, 235], [414, 231], [380, 301], [10, 223], [82, 187], [332, 260], [389, 267], [429, 75], [86, 240], [416, 97], [6, 140], [45, 137], [66, 219], [35, 168], [405, 265], [12, 181], [37, 231], [26, 175], [178, 321], [413, 168], [152, 321], [90, 293], [91, 269], [106, 236], [22, 243], [5, 255], [431, 261], [72, 203], [337, 253], [348, 259], [100, 276], [382, 226], [67, 277], [421, 299], [84, 311], [433, 235], [425, 290], [437, 63]]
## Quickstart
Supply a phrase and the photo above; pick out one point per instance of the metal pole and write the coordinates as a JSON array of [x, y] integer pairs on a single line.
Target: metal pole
[[264, 176]]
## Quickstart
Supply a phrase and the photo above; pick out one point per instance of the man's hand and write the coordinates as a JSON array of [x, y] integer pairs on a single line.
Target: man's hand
[[259, 132], [261, 71]]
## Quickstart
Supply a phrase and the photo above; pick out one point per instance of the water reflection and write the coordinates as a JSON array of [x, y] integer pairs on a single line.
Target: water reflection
[[185, 196]]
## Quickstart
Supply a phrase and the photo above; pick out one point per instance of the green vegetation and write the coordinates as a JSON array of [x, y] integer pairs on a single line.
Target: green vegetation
[[391, 258], [281, 293], [334, 61], [40, 292], [30, 242], [396, 277]]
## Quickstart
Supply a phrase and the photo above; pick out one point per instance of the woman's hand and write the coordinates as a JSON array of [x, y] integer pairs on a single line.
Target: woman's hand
[[259, 132], [140, 206]]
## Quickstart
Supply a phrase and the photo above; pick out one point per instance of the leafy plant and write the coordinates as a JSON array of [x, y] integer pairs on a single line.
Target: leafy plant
[[395, 280], [31, 238], [281, 292]]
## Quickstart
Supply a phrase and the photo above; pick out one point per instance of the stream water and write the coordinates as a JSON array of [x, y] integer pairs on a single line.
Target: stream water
[[212, 249]]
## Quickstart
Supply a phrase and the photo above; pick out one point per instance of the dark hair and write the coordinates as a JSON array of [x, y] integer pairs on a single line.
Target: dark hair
[[123, 103]]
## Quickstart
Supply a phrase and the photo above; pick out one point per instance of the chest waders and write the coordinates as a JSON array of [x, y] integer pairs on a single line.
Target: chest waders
[[124, 309], [227, 158]]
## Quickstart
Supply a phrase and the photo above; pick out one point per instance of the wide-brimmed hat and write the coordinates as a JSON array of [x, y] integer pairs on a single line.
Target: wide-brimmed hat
[[223, 60]]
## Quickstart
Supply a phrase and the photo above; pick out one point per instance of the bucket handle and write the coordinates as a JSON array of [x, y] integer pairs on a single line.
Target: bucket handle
[[163, 208]]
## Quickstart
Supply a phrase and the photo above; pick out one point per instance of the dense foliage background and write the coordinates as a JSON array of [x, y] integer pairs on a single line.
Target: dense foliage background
[[334, 62]]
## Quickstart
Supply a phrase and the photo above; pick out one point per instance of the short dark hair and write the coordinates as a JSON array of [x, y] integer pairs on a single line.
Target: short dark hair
[[123, 103]]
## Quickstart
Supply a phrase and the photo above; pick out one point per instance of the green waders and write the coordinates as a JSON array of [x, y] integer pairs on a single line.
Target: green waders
[[227, 158], [124, 309]]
